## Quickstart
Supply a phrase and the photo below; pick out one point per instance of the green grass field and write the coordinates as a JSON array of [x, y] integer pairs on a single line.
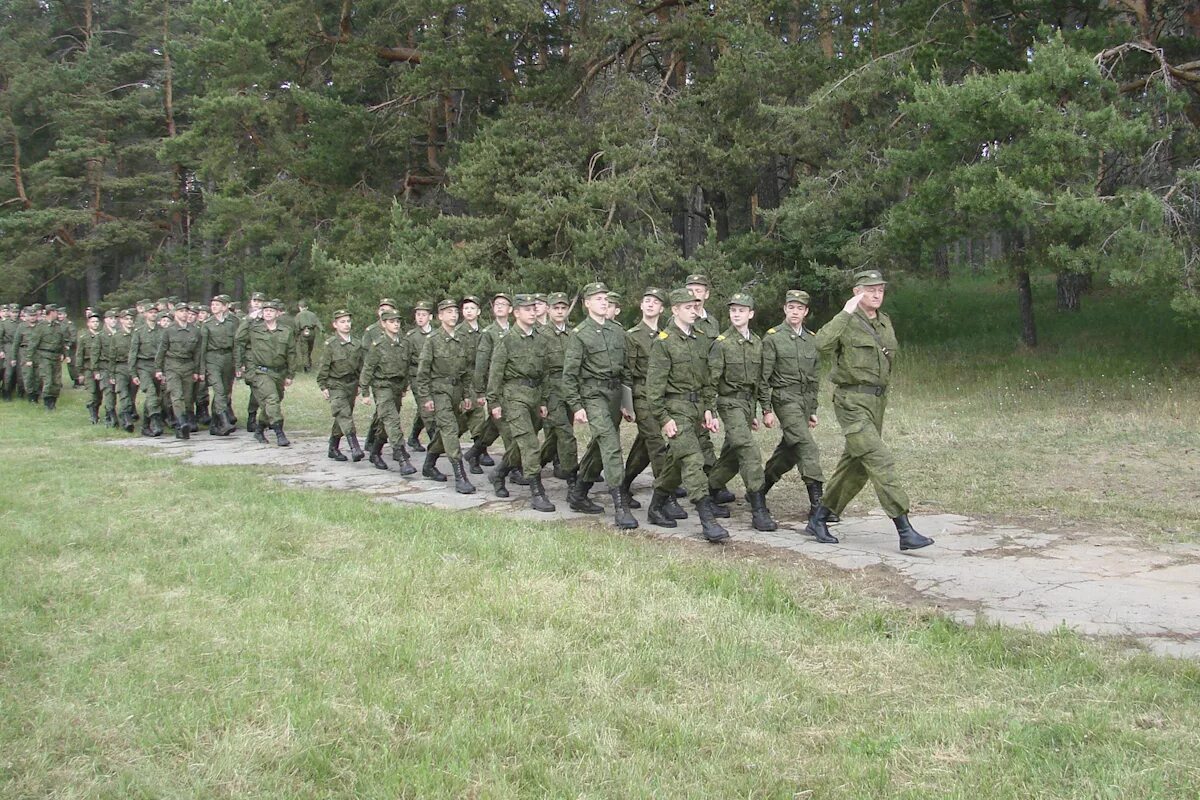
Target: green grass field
[[168, 631]]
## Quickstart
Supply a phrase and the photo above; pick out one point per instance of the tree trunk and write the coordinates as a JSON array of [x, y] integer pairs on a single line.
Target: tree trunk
[[1071, 288], [91, 276], [941, 263], [1025, 303], [691, 223]]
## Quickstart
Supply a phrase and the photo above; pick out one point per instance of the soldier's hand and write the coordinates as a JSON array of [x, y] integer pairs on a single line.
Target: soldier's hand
[[287, 382], [325, 393], [670, 430], [29, 363], [136, 382], [95, 376], [580, 417], [812, 421], [466, 404], [366, 399], [852, 304], [428, 406], [711, 423], [543, 412], [481, 401], [626, 415], [497, 412], [158, 376], [197, 377], [112, 381], [754, 424], [237, 373], [770, 420]]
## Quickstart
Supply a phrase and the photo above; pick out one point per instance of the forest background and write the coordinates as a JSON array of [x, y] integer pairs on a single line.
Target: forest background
[[345, 150]]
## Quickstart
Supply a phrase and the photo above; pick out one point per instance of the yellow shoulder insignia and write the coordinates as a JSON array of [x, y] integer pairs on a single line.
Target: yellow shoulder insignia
[[720, 337], [577, 328], [662, 334], [770, 330]]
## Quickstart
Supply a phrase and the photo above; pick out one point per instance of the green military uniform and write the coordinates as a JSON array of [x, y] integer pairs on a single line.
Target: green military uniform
[[373, 333], [120, 375], [72, 336], [649, 448], [444, 378], [23, 368], [560, 432], [269, 357], [143, 348], [244, 322], [178, 359], [89, 357], [385, 373], [108, 392], [338, 375], [517, 386], [8, 338], [790, 363], [306, 324], [487, 431], [416, 337], [217, 337], [473, 334], [49, 346]]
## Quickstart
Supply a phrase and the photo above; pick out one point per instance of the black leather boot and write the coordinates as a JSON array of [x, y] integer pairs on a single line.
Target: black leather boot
[[673, 509], [356, 451], [260, 434], [413, 441], [718, 511], [815, 493], [377, 455], [181, 432], [205, 417], [709, 526], [461, 484], [49, 402], [656, 514], [909, 538], [334, 452], [230, 421], [621, 516], [537, 496], [627, 490], [721, 495], [484, 459], [498, 476], [192, 424], [818, 526], [126, 421], [217, 426], [156, 425], [400, 456], [94, 414], [760, 517], [280, 438], [578, 500], [472, 459], [430, 470], [517, 477]]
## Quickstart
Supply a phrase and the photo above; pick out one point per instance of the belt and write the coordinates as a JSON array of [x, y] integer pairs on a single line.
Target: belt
[[691, 397], [530, 382], [220, 350], [737, 396], [608, 383], [864, 388]]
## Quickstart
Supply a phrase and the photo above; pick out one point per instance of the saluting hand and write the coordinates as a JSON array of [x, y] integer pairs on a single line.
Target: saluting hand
[[852, 304]]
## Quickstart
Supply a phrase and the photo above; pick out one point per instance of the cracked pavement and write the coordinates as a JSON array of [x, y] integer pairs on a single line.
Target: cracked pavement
[[1095, 584]]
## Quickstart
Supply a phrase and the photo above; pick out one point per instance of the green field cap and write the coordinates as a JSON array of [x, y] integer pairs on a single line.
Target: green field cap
[[741, 299], [339, 313], [472, 299], [259, 296], [697, 279], [385, 316], [387, 301], [658, 294], [681, 295], [869, 277], [222, 298], [595, 288], [796, 296], [525, 300], [558, 298], [500, 295], [447, 303], [425, 305]]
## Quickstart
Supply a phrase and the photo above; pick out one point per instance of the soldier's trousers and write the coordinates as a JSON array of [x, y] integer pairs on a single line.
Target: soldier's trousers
[[29, 376], [218, 374], [797, 447], [560, 435], [148, 386], [125, 391], [342, 397], [49, 372], [10, 376], [450, 421], [520, 415], [487, 432], [388, 397], [93, 389], [181, 390], [108, 394], [740, 452], [649, 448], [603, 407], [684, 463], [267, 388], [865, 457]]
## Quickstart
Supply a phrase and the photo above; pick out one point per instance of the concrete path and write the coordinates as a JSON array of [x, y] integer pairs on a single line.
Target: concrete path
[[1091, 583]]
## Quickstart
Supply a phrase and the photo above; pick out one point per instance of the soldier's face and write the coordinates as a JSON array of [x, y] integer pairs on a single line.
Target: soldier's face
[[93, 324], [795, 313], [470, 312], [342, 325], [201, 315], [127, 324], [558, 313], [110, 323], [686, 312], [613, 311], [217, 307], [270, 313], [392, 326], [501, 308], [165, 322], [740, 316], [699, 291], [448, 316], [872, 296], [651, 307], [526, 315], [255, 305], [597, 305], [421, 317], [540, 308]]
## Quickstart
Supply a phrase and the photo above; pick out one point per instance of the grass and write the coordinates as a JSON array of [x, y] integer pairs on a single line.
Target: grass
[[188, 632]]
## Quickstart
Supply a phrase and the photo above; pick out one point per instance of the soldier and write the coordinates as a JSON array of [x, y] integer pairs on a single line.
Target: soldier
[[541, 309], [372, 333], [708, 325], [488, 431], [559, 445], [49, 347], [253, 313], [862, 342], [422, 329], [306, 324], [88, 358], [120, 374], [735, 364], [384, 370], [266, 353], [72, 336], [472, 331], [338, 380], [217, 336], [649, 447], [680, 393], [9, 323], [517, 394], [25, 376], [593, 371], [108, 392], [443, 378], [614, 307], [177, 365], [790, 363]]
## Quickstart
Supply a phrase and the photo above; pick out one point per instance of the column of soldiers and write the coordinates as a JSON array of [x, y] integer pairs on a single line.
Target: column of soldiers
[[680, 380]]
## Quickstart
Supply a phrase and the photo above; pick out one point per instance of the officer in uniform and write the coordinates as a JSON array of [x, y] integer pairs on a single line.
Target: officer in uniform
[[217, 336], [708, 325], [71, 335], [267, 354], [177, 365], [680, 393], [120, 374], [517, 394], [862, 343], [558, 446], [88, 353], [49, 347], [306, 325], [735, 368], [443, 380], [790, 364], [593, 372], [385, 371], [337, 378]]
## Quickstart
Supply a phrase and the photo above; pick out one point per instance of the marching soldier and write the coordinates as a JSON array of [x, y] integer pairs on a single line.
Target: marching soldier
[[472, 331], [442, 384], [217, 336], [488, 431], [49, 347], [108, 392], [177, 365], [120, 374], [385, 368], [558, 446], [253, 314], [338, 379], [266, 353], [862, 343], [422, 329], [306, 324], [9, 322], [88, 358], [372, 333]]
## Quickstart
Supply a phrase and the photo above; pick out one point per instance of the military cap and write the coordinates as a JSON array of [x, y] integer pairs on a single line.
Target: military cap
[[658, 294], [92, 315], [555, 298], [472, 299], [387, 301], [796, 296], [276, 304], [164, 315], [681, 295], [222, 298], [259, 296], [129, 312], [525, 300], [341, 312], [539, 297], [197, 307], [741, 299], [385, 316], [162, 301], [499, 295], [614, 297], [110, 314], [447, 303], [173, 299], [869, 277], [180, 307], [146, 302], [427, 305], [595, 288], [35, 307], [698, 279], [49, 307]]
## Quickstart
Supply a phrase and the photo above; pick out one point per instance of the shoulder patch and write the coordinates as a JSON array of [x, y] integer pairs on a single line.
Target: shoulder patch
[[632, 329], [720, 337], [770, 330], [662, 334], [577, 328]]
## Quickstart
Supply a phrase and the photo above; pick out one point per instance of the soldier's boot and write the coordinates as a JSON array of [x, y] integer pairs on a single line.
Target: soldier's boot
[[413, 437], [252, 423], [48, 402], [335, 453], [498, 476], [217, 426], [260, 433], [760, 516], [206, 416], [818, 526], [356, 451], [578, 500], [429, 469], [94, 414], [125, 421], [628, 491], [400, 456], [537, 496], [815, 492], [280, 438], [720, 495], [472, 459], [110, 419], [183, 430], [461, 484], [656, 514], [621, 516], [377, 455], [709, 527], [518, 478], [672, 508], [156, 425], [193, 423], [719, 510], [680, 492], [230, 421], [485, 459], [909, 538]]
